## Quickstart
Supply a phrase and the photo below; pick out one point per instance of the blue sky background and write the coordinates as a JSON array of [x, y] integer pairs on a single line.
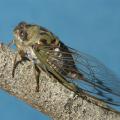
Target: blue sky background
[[92, 26]]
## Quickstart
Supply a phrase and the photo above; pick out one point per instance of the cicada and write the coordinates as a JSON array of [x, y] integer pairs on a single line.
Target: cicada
[[77, 71]]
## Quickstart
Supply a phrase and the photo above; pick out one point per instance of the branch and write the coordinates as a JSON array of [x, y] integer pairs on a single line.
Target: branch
[[53, 98]]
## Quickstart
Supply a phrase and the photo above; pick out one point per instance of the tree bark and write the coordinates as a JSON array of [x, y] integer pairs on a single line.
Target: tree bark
[[53, 98]]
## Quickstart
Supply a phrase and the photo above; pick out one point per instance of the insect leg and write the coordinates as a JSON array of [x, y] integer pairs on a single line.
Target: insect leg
[[11, 43], [16, 63], [37, 72], [43, 68], [46, 71]]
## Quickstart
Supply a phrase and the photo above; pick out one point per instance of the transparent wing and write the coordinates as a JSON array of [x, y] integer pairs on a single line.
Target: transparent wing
[[99, 80], [87, 73], [96, 73]]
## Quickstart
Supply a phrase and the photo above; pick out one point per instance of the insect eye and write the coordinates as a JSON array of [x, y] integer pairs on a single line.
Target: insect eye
[[23, 35]]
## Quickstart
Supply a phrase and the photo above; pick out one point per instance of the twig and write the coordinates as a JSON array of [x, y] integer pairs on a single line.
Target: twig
[[53, 98]]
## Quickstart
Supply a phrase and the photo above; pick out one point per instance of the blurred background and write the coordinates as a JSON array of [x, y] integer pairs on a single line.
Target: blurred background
[[91, 26]]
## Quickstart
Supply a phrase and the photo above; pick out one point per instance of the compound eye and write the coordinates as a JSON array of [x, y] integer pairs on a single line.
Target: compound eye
[[22, 25], [23, 35]]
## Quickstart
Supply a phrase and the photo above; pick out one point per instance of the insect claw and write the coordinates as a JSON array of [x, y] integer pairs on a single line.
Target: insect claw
[[14, 68], [37, 88], [13, 73]]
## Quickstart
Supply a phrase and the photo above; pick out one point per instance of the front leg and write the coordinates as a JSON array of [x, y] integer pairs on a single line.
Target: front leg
[[37, 72], [16, 63], [12, 42]]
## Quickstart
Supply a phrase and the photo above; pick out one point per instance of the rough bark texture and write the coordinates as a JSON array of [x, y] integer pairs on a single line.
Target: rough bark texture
[[53, 98]]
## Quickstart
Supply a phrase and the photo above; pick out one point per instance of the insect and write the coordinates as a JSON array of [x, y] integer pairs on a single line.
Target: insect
[[79, 72]]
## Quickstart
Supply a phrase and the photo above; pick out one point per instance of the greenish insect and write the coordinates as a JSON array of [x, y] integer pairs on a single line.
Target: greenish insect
[[79, 72]]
